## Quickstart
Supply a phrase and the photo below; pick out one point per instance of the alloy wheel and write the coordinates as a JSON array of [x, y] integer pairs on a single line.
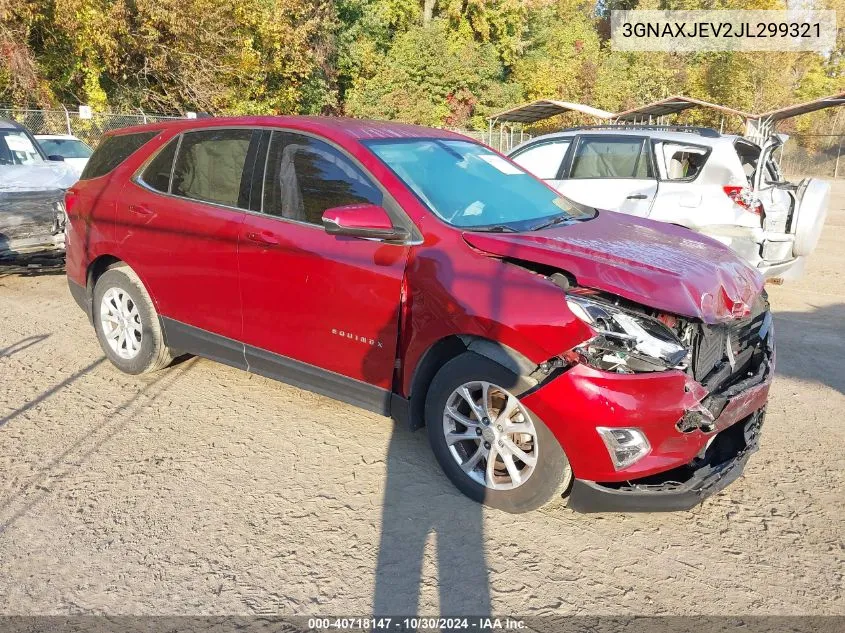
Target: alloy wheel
[[121, 323], [490, 435]]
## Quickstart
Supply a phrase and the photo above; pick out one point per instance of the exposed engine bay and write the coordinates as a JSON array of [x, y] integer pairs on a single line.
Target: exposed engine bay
[[721, 360]]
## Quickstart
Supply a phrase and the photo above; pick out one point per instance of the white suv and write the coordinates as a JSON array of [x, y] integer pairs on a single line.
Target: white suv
[[693, 177]]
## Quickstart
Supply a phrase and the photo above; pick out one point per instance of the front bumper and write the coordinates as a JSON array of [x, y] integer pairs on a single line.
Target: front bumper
[[679, 489], [678, 416]]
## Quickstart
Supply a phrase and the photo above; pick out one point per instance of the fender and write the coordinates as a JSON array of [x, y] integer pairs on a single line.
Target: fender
[[511, 307]]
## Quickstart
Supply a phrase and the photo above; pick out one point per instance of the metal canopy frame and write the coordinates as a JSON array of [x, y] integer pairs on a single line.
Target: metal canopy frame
[[673, 105], [546, 108], [757, 126]]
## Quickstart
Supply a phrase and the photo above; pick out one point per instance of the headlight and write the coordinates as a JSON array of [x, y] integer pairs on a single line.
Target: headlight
[[626, 341]]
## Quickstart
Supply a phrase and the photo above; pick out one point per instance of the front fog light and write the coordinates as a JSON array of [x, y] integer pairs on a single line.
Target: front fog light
[[626, 446]]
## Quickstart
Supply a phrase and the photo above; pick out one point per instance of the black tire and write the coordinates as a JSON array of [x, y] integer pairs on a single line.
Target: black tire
[[153, 353], [552, 475]]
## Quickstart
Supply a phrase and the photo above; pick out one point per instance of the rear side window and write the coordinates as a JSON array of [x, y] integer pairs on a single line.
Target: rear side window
[[749, 155], [210, 166], [113, 151], [543, 160], [611, 158], [306, 176], [680, 162], [157, 173]]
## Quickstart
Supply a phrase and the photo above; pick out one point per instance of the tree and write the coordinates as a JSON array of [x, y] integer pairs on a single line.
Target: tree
[[433, 76]]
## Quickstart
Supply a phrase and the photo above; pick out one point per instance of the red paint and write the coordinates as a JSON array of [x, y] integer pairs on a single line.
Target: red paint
[[359, 216], [326, 300], [371, 310], [653, 263]]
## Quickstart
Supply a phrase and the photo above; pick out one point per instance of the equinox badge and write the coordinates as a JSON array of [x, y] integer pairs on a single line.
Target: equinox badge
[[355, 337]]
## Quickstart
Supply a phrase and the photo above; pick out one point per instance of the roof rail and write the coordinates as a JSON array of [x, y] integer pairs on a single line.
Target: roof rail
[[701, 131]]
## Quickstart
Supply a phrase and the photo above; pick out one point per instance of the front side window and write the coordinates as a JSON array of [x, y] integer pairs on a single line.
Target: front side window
[[611, 158], [543, 160], [467, 185], [16, 148], [305, 176], [112, 151], [210, 166], [65, 147]]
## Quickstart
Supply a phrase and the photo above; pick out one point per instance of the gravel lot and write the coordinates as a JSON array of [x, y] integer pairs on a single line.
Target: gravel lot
[[204, 490]]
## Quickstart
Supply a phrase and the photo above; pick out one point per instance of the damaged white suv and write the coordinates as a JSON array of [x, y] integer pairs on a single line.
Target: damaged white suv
[[723, 186]]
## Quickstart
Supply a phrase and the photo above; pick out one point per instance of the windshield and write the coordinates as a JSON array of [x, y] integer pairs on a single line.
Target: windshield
[[67, 147], [469, 186], [17, 149]]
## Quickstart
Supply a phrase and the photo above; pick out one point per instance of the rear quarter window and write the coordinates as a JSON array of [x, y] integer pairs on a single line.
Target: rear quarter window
[[679, 161], [113, 151]]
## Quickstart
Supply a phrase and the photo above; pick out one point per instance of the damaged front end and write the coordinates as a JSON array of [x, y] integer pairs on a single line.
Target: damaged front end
[[721, 361], [670, 403], [717, 465], [729, 362]]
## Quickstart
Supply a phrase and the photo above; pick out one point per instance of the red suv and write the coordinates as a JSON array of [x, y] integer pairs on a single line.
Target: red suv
[[549, 348]]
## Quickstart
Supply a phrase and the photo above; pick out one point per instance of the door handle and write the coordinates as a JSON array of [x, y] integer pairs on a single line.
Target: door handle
[[264, 238], [637, 196], [140, 209]]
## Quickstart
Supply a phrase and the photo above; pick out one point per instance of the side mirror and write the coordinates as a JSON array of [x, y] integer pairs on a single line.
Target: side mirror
[[363, 220], [56, 158]]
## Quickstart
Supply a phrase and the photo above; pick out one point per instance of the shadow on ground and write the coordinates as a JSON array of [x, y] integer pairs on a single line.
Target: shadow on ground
[[32, 268], [416, 509], [811, 345], [23, 344]]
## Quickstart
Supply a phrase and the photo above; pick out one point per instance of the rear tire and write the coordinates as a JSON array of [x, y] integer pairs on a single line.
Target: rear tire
[[511, 433], [127, 323]]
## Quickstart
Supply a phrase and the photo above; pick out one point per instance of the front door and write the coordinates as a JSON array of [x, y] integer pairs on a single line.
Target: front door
[[312, 301]]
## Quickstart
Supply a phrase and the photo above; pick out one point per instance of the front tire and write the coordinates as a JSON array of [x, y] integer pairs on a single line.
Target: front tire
[[127, 323], [488, 443]]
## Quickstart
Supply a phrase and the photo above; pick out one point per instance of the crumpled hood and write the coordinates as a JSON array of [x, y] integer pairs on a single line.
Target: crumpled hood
[[36, 177], [659, 265]]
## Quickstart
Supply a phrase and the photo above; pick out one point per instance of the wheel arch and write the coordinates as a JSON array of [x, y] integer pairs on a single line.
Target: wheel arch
[[449, 347], [97, 267]]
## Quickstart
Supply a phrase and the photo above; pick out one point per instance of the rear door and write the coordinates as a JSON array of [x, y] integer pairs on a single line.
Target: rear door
[[314, 301], [681, 195], [611, 172], [177, 226]]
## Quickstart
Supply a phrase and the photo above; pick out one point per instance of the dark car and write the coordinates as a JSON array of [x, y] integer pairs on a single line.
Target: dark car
[[549, 348]]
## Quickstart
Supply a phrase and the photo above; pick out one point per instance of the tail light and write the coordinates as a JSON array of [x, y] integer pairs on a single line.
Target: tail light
[[70, 201], [744, 197]]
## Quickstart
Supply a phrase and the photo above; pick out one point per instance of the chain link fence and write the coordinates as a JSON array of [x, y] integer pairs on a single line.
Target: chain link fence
[[818, 155], [501, 139], [65, 121]]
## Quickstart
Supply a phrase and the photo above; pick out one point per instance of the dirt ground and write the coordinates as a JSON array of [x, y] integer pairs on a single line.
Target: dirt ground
[[205, 490]]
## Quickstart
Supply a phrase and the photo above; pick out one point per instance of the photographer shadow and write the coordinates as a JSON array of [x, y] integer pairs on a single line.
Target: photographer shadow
[[420, 504]]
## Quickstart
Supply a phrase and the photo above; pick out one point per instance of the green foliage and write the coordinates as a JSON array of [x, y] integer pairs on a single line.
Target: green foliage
[[431, 75], [437, 62]]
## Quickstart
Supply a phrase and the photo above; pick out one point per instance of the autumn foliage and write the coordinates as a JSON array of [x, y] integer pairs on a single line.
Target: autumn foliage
[[437, 62]]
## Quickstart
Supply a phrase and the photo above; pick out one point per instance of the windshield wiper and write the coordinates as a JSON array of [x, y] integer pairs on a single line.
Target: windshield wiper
[[498, 228], [558, 219]]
